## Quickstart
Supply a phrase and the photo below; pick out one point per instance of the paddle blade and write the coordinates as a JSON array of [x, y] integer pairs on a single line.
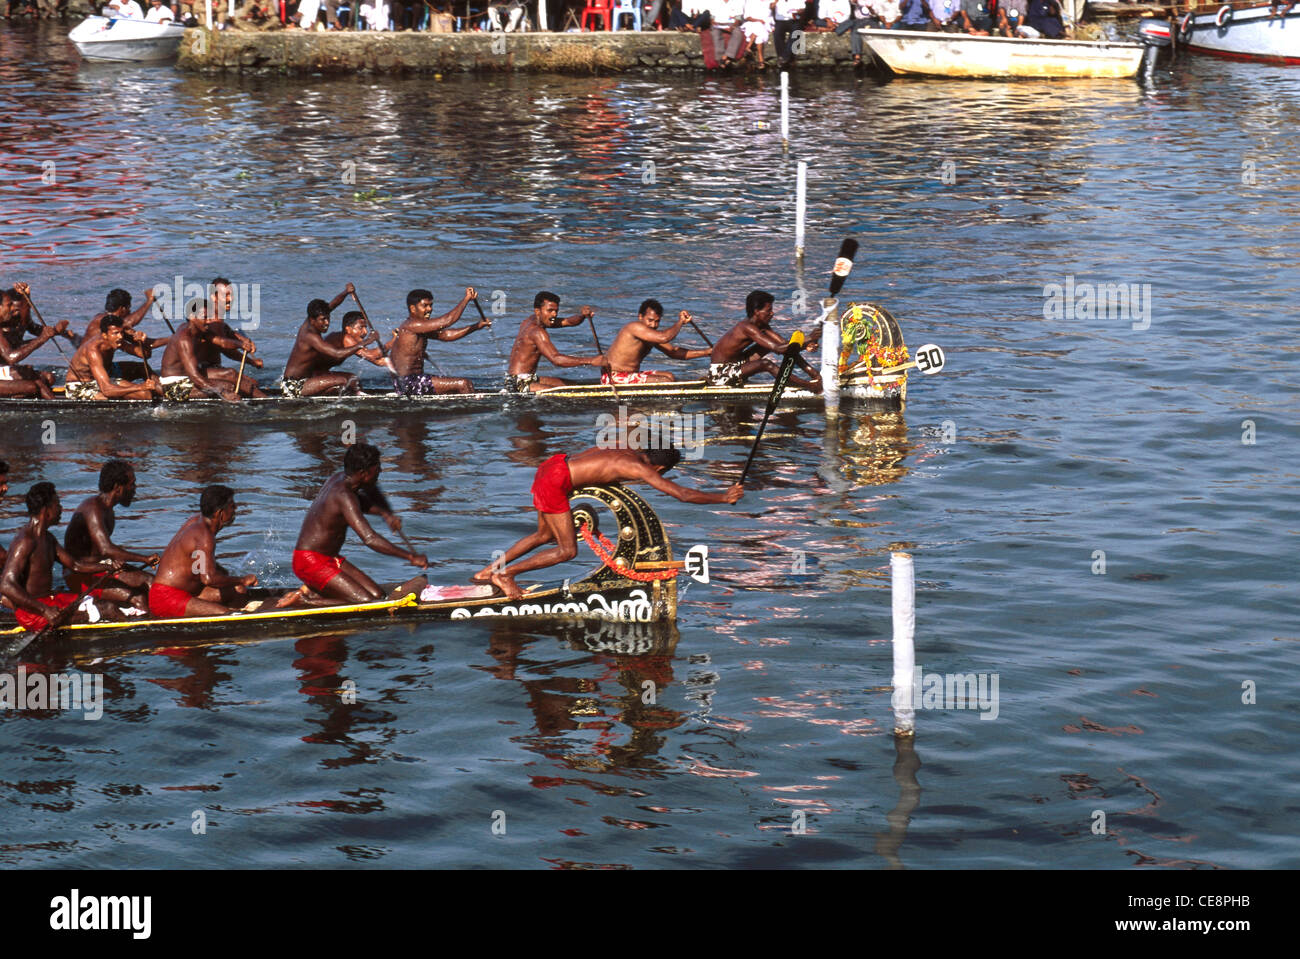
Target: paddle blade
[[782, 378], [843, 264]]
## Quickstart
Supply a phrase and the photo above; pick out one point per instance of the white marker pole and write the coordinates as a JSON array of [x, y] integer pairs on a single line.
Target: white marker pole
[[800, 208], [209, 5], [903, 580], [830, 365], [231, 9], [785, 109]]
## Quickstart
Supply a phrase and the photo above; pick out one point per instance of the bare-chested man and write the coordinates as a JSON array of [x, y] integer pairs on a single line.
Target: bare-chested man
[[742, 350], [636, 339], [89, 538], [182, 369], [310, 370], [558, 477], [533, 342], [134, 342], [224, 340], [411, 338], [17, 380], [88, 377], [4, 488], [27, 583], [342, 503], [190, 581]]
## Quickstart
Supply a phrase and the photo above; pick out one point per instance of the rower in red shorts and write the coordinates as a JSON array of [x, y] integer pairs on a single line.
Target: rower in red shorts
[[634, 342], [27, 583], [343, 502], [561, 475], [190, 581]]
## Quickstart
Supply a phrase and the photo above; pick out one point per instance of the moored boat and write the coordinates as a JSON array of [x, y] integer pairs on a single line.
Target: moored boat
[[634, 583], [920, 53], [123, 40], [1240, 30]]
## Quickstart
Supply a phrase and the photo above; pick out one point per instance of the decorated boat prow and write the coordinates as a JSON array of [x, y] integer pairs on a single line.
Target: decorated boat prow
[[1241, 30]]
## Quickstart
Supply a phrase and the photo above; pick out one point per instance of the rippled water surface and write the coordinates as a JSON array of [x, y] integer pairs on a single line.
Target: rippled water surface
[[1046, 440]]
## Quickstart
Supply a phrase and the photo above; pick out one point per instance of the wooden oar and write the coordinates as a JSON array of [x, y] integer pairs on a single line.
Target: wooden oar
[[243, 358], [379, 342], [782, 377], [33, 308], [606, 369], [691, 320]]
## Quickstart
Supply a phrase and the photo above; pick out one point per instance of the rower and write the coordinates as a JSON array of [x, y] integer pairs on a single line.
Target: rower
[[17, 380], [636, 339], [356, 329], [27, 584], [342, 503], [4, 488], [88, 377], [135, 342], [182, 371], [89, 537], [190, 581], [740, 353], [309, 371], [223, 340], [412, 337], [558, 477], [533, 342]]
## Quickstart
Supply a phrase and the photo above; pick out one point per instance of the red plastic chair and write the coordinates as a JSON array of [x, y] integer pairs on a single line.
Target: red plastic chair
[[597, 8]]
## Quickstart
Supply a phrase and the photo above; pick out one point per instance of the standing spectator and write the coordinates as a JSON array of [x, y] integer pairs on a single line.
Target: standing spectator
[[976, 18], [405, 14], [788, 17]]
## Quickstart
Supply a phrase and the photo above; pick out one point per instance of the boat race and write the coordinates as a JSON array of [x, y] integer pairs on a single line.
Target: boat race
[[692, 434]]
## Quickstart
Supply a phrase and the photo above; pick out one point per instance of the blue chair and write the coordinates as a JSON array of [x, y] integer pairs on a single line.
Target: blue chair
[[630, 8]]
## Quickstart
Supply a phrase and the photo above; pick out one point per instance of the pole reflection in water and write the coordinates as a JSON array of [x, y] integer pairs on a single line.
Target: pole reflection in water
[[906, 764]]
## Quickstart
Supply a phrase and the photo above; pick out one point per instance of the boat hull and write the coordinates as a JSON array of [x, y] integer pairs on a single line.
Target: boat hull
[[919, 53], [1249, 34], [126, 41], [610, 593]]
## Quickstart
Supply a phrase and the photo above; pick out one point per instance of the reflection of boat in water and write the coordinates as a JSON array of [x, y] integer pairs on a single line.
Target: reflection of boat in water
[[635, 583], [919, 53], [1243, 31], [121, 40]]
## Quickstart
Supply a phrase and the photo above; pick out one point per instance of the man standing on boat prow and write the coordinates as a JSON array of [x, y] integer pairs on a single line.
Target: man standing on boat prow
[[741, 351], [533, 342], [309, 371], [190, 581], [342, 503], [635, 340], [27, 582], [412, 337], [89, 538], [557, 478]]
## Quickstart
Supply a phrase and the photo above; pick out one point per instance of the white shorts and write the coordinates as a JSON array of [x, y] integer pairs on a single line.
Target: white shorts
[[6, 373]]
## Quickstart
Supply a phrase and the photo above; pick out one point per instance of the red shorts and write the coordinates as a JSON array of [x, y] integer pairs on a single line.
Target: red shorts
[[315, 569], [168, 602], [634, 378], [60, 600], [552, 485]]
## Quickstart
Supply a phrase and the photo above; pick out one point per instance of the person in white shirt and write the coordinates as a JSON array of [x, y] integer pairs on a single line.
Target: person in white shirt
[[158, 13], [833, 12], [788, 15], [862, 15], [758, 25], [727, 17], [124, 10], [945, 15]]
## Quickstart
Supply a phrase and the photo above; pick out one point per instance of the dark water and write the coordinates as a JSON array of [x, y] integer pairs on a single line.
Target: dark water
[[1044, 441]]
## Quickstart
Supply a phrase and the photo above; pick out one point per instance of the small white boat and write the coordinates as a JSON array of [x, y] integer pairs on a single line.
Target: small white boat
[[922, 53], [126, 41], [1243, 31]]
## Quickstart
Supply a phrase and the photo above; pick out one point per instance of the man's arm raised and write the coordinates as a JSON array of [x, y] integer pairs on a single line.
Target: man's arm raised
[[435, 323]]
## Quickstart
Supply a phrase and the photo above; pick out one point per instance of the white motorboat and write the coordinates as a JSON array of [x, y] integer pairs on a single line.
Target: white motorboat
[[1244, 31], [126, 41], [963, 55]]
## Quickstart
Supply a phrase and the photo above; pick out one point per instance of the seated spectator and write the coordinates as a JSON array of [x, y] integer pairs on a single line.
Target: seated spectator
[[158, 13], [1011, 17], [976, 18], [728, 38], [861, 14], [758, 25], [505, 16], [124, 10], [1043, 19], [830, 14], [913, 15], [945, 15]]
